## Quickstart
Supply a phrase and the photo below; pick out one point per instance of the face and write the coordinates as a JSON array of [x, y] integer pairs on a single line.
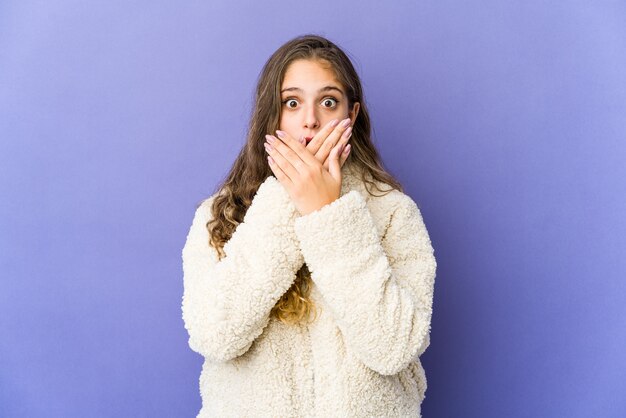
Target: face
[[311, 97]]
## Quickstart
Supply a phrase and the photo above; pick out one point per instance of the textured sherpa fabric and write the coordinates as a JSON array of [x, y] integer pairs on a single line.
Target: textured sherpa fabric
[[373, 269]]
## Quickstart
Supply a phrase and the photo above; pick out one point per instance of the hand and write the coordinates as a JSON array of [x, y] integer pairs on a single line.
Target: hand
[[327, 138], [306, 180]]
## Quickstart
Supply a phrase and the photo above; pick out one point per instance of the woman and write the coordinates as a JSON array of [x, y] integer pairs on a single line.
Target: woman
[[307, 293]]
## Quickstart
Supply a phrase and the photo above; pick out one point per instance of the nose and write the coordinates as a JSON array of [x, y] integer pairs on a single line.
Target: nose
[[311, 121]]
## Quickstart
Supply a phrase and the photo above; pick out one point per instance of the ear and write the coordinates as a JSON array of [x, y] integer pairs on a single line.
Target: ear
[[354, 112]]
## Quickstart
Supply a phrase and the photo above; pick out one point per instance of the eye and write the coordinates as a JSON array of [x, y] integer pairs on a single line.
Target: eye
[[288, 101], [328, 102], [332, 100]]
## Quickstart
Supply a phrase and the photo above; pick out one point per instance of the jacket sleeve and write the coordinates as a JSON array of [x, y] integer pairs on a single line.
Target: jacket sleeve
[[226, 303], [380, 291]]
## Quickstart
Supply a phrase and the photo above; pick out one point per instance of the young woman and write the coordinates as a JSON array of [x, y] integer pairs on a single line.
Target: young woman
[[308, 293]]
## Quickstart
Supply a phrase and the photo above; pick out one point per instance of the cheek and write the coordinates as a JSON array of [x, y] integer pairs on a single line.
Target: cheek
[[287, 123]]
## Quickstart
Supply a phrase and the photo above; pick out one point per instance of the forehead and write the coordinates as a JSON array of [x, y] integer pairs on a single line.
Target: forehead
[[308, 75]]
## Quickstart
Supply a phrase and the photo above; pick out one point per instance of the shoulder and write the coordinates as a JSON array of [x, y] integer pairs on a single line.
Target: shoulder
[[203, 208], [387, 202], [399, 218]]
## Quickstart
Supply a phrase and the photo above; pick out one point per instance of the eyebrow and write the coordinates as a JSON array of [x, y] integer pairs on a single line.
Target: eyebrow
[[325, 88]]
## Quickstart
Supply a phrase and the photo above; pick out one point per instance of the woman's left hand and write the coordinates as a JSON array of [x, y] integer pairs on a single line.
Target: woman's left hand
[[309, 184]]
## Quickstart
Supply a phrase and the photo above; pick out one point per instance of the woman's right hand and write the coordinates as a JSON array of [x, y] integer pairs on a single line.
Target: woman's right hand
[[326, 139]]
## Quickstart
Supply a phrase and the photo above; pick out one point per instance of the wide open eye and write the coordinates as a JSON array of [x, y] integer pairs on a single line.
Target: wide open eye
[[333, 102], [288, 103]]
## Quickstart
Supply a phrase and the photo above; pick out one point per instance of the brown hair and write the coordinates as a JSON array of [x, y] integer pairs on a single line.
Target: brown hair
[[250, 169]]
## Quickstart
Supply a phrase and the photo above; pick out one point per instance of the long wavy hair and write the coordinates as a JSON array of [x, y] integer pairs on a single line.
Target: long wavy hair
[[251, 169]]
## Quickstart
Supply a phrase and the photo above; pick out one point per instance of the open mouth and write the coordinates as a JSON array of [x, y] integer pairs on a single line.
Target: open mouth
[[308, 139]]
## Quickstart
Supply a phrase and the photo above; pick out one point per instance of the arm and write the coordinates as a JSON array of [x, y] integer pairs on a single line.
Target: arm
[[226, 303], [380, 292]]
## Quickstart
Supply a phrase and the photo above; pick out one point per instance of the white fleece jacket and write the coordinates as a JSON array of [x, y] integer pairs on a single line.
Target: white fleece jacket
[[373, 269]]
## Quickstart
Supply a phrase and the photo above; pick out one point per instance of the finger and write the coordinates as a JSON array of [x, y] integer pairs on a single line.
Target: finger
[[343, 141], [342, 159], [306, 146], [286, 165], [294, 151], [319, 138], [345, 137], [345, 154], [279, 173], [334, 168], [342, 131]]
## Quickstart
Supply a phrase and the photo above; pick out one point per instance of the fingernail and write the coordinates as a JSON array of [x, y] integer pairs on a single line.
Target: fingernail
[[346, 149], [347, 132], [270, 139], [345, 123], [334, 123], [280, 134]]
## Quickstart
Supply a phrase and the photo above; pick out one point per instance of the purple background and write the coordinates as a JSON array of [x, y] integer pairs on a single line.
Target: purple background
[[506, 122]]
